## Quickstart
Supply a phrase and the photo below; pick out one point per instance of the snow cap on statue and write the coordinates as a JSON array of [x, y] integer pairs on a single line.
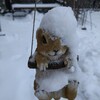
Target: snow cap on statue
[[61, 22]]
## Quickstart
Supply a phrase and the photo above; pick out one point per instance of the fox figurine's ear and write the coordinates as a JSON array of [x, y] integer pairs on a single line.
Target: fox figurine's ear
[[39, 35], [39, 31]]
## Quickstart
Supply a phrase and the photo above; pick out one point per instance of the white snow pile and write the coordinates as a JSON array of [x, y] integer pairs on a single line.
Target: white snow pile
[[61, 22], [16, 80]]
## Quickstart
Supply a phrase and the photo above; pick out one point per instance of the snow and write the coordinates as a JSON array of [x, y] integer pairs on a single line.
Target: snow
[[33, 5], [16, 80]]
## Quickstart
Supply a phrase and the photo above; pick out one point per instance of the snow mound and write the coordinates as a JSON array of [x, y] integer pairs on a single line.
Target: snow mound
[[61, 22]]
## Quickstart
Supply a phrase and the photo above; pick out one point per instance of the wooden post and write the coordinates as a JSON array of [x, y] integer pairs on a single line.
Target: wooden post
[[8, 5], [0, 26], [74, 5], [1, 30]]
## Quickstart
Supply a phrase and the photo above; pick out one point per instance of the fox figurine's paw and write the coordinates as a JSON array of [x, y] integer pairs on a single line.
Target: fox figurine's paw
[[73, 84], [42, 66], [71, 89], [68, 63], [42, 95]]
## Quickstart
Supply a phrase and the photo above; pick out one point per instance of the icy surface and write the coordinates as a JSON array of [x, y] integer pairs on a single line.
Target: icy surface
[[16, 80]]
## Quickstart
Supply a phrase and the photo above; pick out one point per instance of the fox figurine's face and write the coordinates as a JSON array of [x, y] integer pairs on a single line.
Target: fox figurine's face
[[49, 46]]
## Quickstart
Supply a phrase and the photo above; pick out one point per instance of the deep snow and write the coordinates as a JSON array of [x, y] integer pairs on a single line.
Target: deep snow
[[16, 80]]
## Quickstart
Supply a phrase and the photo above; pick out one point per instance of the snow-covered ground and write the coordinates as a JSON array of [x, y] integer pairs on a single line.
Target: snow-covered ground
[[16, 80]]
